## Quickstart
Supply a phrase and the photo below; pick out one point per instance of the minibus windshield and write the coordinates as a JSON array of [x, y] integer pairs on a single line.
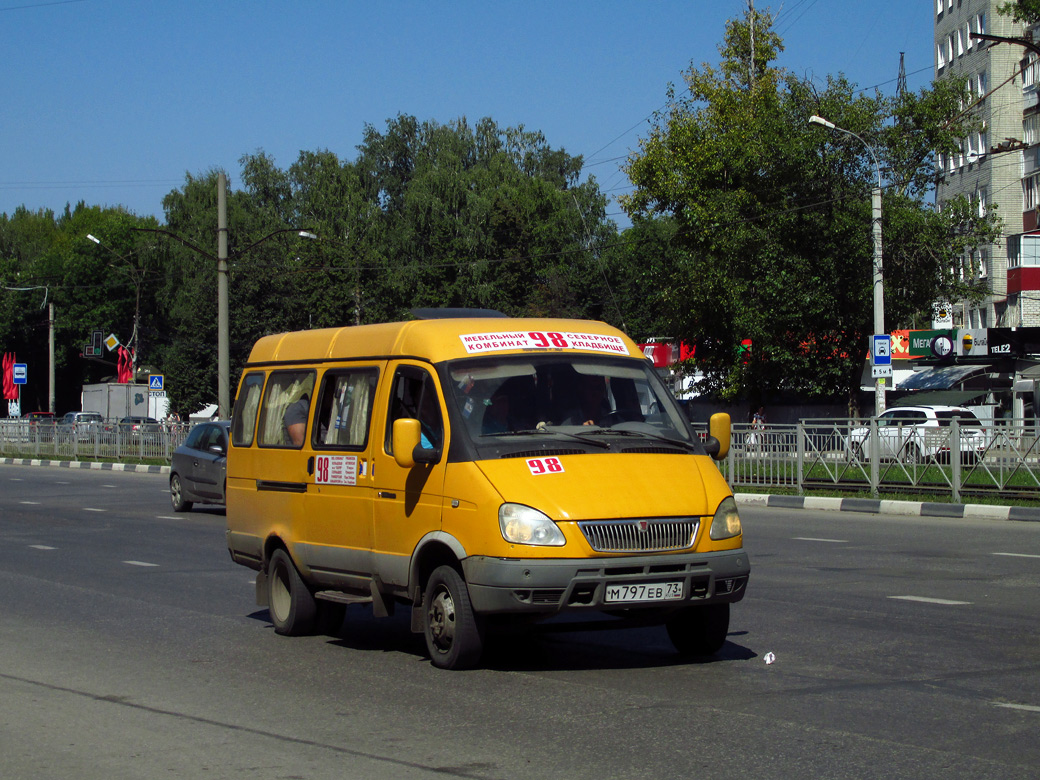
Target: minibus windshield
[[572, 396]]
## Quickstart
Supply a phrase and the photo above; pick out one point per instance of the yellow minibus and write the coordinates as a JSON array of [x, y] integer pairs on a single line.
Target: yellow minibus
[[480, 470]]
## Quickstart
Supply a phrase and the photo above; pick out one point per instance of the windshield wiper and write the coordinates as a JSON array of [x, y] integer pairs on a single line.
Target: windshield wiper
[[690, 447], [554, 431]]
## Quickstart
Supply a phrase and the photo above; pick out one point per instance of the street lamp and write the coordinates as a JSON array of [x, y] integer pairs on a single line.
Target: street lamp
[[137, 279], [878, 277], [223, 340]]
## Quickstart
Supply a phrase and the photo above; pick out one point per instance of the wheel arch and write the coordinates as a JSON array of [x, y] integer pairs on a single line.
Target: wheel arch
[[435, 549]]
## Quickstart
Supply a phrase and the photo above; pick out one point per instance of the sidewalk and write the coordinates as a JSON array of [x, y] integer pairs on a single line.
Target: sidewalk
[[862, 505]]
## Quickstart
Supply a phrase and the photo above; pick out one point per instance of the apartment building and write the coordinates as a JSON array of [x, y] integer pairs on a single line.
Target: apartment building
[[998, 165]]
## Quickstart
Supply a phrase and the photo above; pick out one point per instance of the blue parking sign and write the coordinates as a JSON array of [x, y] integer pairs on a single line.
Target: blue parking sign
[[881, 350]]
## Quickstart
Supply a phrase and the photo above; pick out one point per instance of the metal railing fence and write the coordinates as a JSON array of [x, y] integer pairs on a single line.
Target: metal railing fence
[[89, 441], [850, 455]]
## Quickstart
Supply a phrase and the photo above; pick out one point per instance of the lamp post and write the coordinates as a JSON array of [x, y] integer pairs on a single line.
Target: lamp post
[[137, 278], [223, 346], [878, 276]]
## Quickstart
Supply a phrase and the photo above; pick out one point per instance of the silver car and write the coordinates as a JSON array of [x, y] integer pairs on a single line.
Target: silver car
[[916, 434], [197, 472]]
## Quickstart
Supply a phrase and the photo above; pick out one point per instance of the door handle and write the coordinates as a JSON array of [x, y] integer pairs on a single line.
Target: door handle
[[385, 494], [310, 466]]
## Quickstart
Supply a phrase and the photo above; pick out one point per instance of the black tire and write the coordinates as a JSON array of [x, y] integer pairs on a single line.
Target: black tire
[[913, 454], [454, 635], [177, 494], [290, 603], [700, 630]]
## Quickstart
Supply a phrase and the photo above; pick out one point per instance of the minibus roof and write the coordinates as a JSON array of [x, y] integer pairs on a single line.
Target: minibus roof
[[436, 340]]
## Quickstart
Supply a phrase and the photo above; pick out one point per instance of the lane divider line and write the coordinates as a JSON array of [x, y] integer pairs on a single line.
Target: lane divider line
[[927, 600]]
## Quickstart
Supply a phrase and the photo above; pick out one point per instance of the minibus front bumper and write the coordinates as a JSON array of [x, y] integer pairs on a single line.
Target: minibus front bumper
[[548, 586]]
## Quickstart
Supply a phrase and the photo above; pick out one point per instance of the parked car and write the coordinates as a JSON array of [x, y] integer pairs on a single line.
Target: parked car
[[80, 424], [918, 433], [198, 466], [41, 425], [138, 425]]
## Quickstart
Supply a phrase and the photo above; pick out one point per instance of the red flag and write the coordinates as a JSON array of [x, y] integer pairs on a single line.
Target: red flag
[[10, 390], [125, 366]]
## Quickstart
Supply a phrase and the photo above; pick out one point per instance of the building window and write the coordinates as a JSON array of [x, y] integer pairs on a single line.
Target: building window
[[1029, 193], [981, 84], [960, 44], [1031, 129], [938, 7], [982, 201], [980, 23], [940, 60]]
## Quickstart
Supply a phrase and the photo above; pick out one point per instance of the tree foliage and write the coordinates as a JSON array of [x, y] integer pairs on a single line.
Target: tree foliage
[[426, 215], [773, 216]]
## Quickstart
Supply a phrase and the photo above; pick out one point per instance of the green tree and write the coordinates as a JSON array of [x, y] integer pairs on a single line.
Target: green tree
[[1027, 11], [773, 216]]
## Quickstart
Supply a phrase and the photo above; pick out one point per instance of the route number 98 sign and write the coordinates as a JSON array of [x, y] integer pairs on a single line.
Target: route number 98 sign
[[536, 339]]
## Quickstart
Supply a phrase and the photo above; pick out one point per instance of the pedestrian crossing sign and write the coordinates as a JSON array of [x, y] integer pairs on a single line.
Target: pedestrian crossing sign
[[155, 382]]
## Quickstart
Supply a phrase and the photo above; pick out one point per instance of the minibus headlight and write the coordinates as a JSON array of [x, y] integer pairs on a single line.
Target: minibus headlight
[[522, 525], [726, 523]]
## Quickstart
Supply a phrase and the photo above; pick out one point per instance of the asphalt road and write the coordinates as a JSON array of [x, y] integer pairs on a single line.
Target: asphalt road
[[131, 647]]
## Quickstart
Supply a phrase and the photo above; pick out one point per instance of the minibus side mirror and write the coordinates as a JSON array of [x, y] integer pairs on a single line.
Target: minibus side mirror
[[407, 448], [717, 444]]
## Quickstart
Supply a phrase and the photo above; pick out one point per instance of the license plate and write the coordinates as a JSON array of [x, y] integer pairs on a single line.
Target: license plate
[[645, 591]]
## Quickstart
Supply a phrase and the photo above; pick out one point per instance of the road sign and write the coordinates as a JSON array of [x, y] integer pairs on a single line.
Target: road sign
[[881, 350], [880, 372], [111, 342], [19, 373], [155, 382]]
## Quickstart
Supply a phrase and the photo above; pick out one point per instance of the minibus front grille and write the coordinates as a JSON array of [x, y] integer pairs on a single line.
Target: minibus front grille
[[643, 535]]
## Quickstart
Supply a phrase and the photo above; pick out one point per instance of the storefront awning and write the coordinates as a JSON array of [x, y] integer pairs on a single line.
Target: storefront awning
[[940, 377]]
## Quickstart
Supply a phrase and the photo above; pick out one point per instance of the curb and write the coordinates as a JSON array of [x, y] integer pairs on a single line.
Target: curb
[[86, 464], [886, 507]]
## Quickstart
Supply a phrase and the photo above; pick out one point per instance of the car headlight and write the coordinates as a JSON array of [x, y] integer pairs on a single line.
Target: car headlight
[[726, 523], [523, 525]]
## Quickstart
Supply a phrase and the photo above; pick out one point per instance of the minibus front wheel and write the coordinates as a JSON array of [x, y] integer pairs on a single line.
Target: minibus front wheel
[[454, 635], [290, 603]]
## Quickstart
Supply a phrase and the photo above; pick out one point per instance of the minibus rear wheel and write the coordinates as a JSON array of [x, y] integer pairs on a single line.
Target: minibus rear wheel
[[699, 630], [290, 603], [454, 635]]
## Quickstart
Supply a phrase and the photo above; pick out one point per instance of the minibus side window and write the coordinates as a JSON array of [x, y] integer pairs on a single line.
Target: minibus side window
[[286, 408], [243, 420], [414, 396], [345, 409]]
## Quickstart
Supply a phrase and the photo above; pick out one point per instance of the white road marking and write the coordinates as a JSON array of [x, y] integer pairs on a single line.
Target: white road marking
[[42, 547], [926, 600], [110, 486], [1018, 555], [1023, 707], [92, 509], [30, 503], [166, 517], [140, 563], [815, 539], [16, 479]]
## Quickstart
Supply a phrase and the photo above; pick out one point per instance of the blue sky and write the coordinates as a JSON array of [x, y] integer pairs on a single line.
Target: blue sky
[[113, 101]]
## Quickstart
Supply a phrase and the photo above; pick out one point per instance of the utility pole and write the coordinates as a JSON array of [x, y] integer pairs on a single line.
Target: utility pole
[[50, 357], [223, 341]]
